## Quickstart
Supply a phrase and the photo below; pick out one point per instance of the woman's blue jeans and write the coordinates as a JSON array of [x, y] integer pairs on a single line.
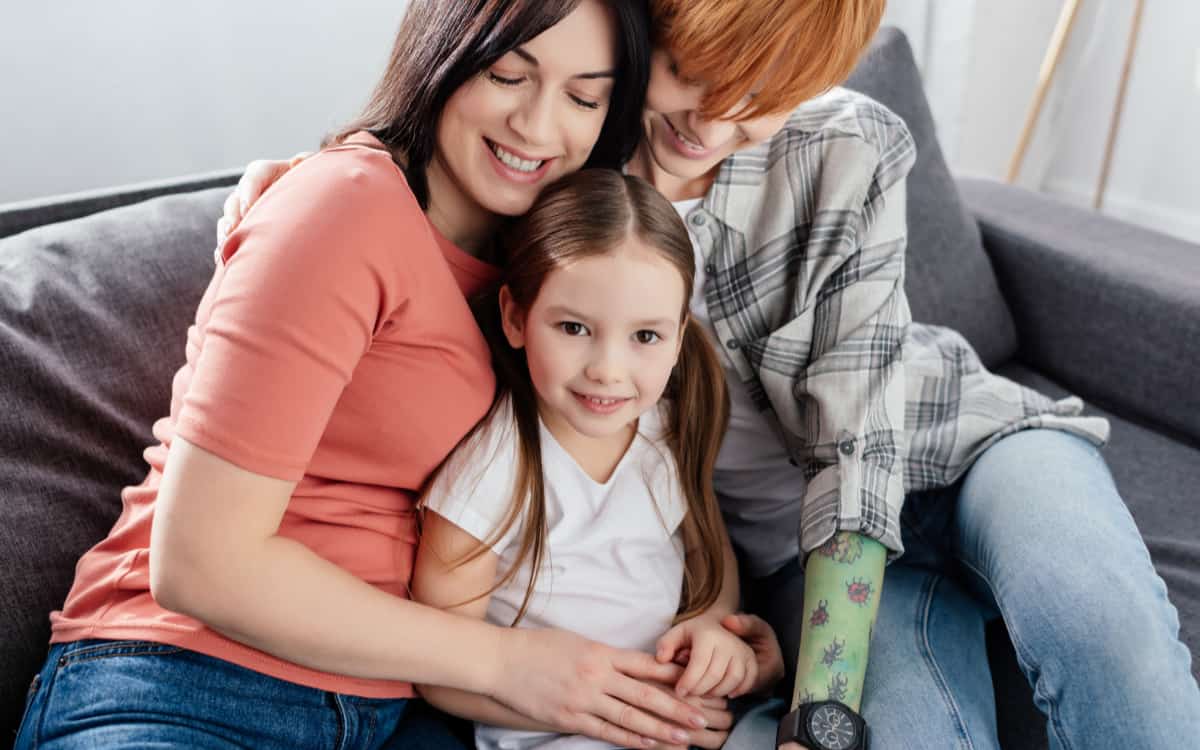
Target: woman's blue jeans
[[1037, 534], [138, 694]]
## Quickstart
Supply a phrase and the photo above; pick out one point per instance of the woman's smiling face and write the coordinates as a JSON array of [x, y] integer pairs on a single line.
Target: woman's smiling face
[[531, 117], [682, 148]]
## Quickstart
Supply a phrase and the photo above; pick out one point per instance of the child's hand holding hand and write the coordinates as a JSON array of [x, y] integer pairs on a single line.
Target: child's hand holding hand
[[718, 663]]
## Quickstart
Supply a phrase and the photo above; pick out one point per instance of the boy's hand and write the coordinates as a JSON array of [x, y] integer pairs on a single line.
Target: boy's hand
[[761, 638], [719, 663]]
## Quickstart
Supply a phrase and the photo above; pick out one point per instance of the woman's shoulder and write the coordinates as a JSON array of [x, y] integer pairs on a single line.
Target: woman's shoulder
[[347, 189], [842, 120]]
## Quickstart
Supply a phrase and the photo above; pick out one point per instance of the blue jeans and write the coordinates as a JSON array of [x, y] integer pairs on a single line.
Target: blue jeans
[[1037, 534], [127, 694]]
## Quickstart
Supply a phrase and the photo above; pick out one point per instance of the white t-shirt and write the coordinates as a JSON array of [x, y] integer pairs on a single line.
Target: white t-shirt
[[759, 488], [614, 567]]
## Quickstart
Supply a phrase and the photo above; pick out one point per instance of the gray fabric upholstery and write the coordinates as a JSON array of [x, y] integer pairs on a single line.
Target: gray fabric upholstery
[[1108, 309], [92, 320], [949, 278]]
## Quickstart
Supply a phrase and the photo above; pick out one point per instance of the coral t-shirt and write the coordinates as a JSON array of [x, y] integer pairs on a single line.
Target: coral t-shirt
[[335, 348]]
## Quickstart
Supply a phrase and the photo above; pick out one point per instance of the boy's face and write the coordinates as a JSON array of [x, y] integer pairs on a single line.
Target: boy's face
[[684, 145], [601, 340]]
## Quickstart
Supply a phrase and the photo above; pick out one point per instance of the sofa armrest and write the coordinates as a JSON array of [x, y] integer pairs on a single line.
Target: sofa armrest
[[1108, 309]]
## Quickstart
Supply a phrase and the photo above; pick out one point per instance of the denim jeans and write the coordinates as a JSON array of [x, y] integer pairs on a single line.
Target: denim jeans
[[127, 694], [1037, 534]]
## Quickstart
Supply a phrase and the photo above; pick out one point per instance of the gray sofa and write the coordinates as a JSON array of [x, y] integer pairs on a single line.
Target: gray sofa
[[96, 293]]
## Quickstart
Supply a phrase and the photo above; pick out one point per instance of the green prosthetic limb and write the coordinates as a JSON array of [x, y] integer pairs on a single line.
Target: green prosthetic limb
[[842, 584]]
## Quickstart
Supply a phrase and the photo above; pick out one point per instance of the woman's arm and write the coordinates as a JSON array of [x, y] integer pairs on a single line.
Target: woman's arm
[[842, 584], [215, 555], [457, 589]]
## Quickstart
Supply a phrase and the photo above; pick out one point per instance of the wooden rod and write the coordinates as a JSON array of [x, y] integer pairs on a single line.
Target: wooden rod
[[1130, 48], [1062, 31]]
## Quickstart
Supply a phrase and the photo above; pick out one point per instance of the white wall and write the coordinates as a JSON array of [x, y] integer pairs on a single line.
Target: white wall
[[1155, 178], [95, 94]]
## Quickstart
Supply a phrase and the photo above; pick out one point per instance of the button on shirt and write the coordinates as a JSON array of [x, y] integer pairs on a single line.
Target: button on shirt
[[758, 485], [802, 239]]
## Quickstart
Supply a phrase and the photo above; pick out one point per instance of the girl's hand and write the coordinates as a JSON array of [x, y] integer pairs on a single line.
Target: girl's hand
[[760, 637], [259, 175], [719, 662], [583, 687]]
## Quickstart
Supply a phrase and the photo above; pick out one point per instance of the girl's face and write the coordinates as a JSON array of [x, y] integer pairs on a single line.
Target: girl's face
[[531, 117], [682, 149], [601, 340]]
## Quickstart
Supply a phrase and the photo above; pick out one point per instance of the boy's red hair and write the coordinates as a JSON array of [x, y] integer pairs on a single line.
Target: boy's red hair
[[785, 51]]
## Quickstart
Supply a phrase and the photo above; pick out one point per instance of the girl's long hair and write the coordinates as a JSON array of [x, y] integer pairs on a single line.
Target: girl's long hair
[[586, 214], [442, 44]]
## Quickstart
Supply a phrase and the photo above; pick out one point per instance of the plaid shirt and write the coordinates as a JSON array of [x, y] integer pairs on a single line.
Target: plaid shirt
[[804, 240]]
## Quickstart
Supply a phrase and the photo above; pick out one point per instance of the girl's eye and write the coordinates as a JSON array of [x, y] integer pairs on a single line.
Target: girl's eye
[[647, 337], [586, 104], [572, 328], [502, 81]]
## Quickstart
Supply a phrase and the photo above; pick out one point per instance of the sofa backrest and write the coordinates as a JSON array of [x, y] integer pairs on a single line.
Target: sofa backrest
[[949, 280]]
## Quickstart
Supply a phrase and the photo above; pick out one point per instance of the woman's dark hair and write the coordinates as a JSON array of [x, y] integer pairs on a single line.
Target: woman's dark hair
[[586, 214], [443, 43]]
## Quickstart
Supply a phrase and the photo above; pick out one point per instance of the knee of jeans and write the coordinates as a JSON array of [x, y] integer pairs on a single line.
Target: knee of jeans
[[1123, 622]]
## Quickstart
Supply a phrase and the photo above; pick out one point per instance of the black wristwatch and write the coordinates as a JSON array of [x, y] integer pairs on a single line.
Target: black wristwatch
[[824, 725]]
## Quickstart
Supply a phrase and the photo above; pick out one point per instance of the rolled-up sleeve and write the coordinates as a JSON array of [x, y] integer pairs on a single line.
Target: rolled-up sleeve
[[843, 406]]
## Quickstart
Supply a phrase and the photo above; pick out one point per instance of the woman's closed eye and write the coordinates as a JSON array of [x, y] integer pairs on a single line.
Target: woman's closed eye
[[585, 103], [500, 80]]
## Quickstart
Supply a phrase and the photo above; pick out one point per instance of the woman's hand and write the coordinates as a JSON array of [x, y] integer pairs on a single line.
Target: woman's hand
[[760, 637], [259, 175], [582, 687], [719, 663], [720, 722]]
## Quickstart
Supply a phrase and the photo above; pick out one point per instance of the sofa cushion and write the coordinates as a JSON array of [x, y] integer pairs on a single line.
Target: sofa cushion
[[949, 277], [93, 314]]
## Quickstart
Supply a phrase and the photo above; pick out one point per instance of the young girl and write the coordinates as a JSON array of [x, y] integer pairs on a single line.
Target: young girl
[[584, 501]]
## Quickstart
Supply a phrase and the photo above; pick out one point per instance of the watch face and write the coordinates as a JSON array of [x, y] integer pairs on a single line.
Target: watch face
[[833, 728]]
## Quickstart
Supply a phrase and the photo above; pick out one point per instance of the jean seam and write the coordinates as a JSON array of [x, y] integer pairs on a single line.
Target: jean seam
[[935, 669], [1022, 654], [30, 698], [342, 737], [111, 651]]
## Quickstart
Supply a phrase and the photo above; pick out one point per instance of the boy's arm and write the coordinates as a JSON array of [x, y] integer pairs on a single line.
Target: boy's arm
[[438, 583], [842, 583]]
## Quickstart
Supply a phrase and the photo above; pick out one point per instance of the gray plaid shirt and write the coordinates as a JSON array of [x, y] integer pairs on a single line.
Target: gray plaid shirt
[[804, 240]]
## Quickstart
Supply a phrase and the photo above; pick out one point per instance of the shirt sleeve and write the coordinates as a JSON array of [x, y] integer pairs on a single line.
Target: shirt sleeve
[[307, 282], [848, 401], [474, 488]]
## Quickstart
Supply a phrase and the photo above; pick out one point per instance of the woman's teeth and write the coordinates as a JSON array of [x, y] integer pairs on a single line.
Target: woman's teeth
[[515, 162], [684, 139]]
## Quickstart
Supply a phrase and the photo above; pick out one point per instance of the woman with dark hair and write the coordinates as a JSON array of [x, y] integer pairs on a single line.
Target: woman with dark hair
[[858, 436], [254, 590]]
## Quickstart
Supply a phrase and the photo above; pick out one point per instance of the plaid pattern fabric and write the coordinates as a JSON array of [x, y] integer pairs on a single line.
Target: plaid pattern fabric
[[804, 240]]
